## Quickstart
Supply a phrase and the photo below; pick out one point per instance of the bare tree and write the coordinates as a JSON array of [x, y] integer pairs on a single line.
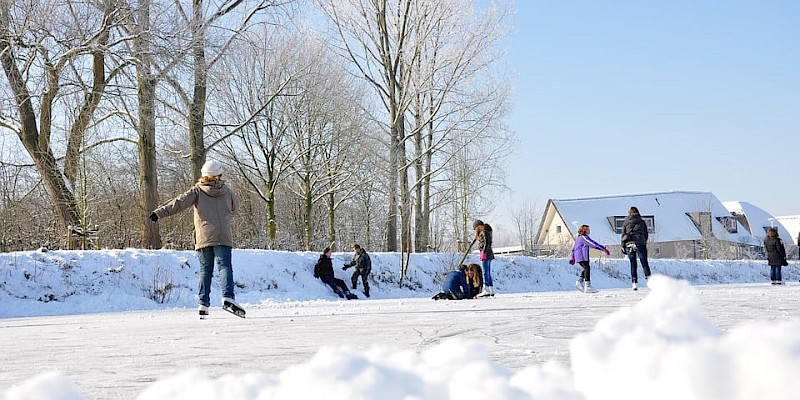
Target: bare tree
[[325, 125], [426, 65], [213, 30], [526, 218], [458, 102], [377, 37], [42, 49], [261, 78]]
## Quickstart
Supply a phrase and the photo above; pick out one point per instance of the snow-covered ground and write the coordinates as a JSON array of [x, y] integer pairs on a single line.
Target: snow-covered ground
[[81, 325]]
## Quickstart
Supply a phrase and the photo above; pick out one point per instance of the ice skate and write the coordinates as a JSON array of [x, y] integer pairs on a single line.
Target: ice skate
[[230, 305], [203, 311]]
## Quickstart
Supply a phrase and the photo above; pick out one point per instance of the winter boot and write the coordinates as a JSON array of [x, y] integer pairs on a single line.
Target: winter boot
[[351, 296], [203, 311], [635, 286], [587, 287], [366, 291], [441, 296], [486, 292], [579, 284]]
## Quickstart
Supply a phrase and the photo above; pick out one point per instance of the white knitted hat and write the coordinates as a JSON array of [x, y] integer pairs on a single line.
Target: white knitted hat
[[211, 168]]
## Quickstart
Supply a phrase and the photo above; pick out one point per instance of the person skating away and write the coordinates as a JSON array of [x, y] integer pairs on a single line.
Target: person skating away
[[323, 270], [474, 276], [634, 244], [363, 266], [776, 255], [213, 203], [483, 235], [455, 286], [580, 255]]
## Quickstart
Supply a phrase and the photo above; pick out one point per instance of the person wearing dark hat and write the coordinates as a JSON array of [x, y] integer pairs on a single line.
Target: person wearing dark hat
[[213, 203], [363, 266], [483, 235]]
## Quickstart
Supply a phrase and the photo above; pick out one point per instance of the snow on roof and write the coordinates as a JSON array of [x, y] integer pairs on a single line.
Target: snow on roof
[[669, 211], [792, 225], [758, 219]]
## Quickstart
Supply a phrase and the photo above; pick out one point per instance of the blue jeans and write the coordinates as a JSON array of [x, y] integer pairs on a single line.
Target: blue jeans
[[641, 252], [207, 255], [775, 273], [487, 272]]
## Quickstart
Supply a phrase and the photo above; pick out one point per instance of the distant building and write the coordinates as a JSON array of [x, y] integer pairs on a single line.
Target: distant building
[[792, 224], [681, 224]]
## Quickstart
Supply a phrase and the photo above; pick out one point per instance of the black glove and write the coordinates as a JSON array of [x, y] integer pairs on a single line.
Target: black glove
[[153, 217], [624, 251], [346, 266]]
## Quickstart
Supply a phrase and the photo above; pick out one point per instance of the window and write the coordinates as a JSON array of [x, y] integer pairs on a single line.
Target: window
[[617, 222], [729, 223], [558, 229]]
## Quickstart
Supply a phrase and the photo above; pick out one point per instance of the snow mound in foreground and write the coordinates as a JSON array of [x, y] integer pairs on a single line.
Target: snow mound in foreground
[[662, 348]]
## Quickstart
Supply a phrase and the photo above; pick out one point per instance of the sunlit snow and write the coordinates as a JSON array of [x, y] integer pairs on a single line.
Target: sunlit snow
[[80, 325]]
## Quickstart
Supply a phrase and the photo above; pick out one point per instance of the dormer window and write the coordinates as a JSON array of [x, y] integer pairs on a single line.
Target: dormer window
[[729, 223], [618, 221]]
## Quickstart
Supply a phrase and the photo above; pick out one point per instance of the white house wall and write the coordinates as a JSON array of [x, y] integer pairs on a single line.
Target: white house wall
[[549, 235]]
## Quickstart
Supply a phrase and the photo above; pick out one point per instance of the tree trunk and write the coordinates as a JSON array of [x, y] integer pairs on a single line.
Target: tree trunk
[[146, 93], [148, 175], [197, 109], [272, 230], [394, 171], [308, 204], [332, 220]]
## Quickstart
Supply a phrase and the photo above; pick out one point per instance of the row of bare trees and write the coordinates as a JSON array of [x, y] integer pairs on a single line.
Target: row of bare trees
[[339, 120]]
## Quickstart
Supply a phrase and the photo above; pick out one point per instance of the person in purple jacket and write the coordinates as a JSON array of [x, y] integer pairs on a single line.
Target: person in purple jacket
[[580, 255]]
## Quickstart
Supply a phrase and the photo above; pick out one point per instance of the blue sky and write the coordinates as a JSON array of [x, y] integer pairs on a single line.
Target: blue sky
[[616, 97]]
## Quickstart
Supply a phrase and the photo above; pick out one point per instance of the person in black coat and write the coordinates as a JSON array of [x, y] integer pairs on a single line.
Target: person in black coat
[[323, 270], [363, 265], [634, 244], [776, 255]]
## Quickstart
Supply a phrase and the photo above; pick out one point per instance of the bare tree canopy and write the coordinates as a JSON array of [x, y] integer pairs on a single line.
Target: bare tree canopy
[[380, 123]]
